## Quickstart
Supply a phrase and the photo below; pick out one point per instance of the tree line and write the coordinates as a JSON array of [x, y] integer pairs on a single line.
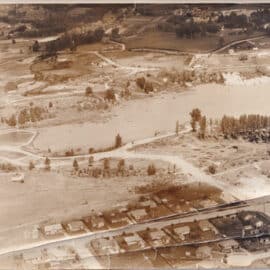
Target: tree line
[[72, 40], [230, 125], [26, 115], [191, 29]]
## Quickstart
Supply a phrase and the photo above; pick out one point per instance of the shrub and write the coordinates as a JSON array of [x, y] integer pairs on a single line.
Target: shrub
[[212, 169], [31, 165], [47, 164], [75, 165], [151, 170], [109, 94], [12, 121], [148, 87], [140, 82], [88, 91], [118, 141]]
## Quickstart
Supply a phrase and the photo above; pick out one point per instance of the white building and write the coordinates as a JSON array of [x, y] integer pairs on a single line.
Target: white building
[[75, 226], [182, 232], [138, 214], [134, 239], [53, 229]]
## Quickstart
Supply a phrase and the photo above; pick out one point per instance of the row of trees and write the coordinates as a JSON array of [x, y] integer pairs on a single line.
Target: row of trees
[[32, 114], [230, 125], [234, 20], [144, 84], [121, 167], [198, 119], [191, 29], [72, 40]]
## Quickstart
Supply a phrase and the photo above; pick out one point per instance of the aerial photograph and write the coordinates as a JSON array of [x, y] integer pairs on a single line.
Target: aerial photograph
[[134, 136]]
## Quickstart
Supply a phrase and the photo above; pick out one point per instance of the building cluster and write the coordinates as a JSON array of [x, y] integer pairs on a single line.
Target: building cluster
[[145, 209], [61, 257], [172, 242], [197, 240], [251, 229]]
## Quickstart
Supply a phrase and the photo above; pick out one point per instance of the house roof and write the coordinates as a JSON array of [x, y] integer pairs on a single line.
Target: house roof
[[53, 227], [155, 235], [138, 213], [182, 230], [132, 239], [75, 225], [228, 243]]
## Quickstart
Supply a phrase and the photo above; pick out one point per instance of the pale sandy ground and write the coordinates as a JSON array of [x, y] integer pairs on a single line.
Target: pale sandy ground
[[132, 119], [246, 259]]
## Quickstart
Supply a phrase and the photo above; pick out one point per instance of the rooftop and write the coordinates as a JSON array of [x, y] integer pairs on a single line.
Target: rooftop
[[182, 230]]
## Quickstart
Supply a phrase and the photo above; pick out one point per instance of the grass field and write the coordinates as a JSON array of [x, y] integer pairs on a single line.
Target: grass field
[[169, 41]]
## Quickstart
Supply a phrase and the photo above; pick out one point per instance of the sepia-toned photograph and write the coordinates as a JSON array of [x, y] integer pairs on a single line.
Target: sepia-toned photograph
[[134, 136]]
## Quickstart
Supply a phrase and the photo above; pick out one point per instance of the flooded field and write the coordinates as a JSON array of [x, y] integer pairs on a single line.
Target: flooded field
[[132, 119], [15, 138]]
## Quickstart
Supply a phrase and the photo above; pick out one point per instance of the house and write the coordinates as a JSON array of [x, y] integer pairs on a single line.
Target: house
[[182, 232], [60, 253], [139, 214], [249, 230], [17, 177], [35, 256], [228, 246], [257, 223], [106, 245], [148, 204], [134, 241], [203, 252], [206, 226], [53, 229], [265, 241], [98, 222], [159, 238], [95, 222], [245, 216], [75, 226], [117, 218]]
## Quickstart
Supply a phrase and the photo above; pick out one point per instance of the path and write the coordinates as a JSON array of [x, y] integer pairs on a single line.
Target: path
[[235, 43]]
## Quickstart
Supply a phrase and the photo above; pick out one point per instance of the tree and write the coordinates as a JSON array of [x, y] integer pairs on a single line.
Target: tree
[[106, 164], [90, 161], [118, 141], [202, 124], [21, 118], [195, 117], [115, 33], [177, 127], [110, 95], [12, 121], [141, 82], [148, 87], [47, 164], [121, 166], [31, 165], [212, 169], [221, 41], [75, 165], [36, 46], [151, 170], [98, 34], [69, 153], [88, 91]]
